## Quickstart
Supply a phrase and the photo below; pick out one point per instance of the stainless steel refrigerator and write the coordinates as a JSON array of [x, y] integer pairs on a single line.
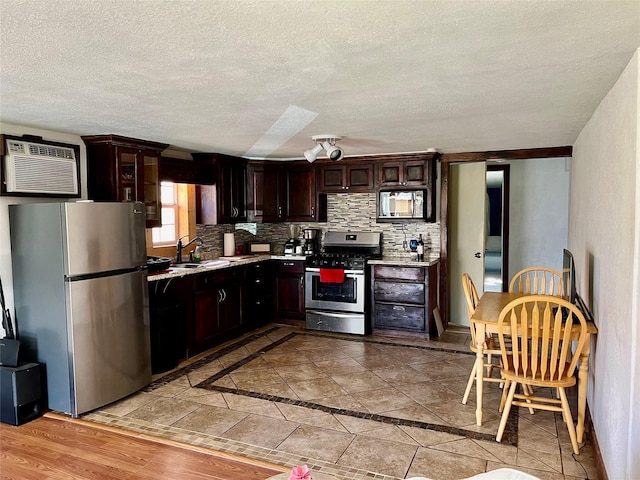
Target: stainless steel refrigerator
[[81, 301]]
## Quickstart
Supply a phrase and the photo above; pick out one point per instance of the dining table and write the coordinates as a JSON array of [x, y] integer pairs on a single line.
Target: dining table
[[485, 321]]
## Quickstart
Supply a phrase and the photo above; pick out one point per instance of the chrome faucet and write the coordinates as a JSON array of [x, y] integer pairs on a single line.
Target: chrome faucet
[[180, 246]]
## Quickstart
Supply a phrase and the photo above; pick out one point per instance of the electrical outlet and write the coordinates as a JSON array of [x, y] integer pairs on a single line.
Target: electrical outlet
[[404, 245]]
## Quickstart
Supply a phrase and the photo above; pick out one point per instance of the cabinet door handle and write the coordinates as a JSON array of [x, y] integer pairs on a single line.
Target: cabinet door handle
[[288, 264], [399, 307], [219, 296], [313, 211], [302, 281], [280, 210], [224, 294]]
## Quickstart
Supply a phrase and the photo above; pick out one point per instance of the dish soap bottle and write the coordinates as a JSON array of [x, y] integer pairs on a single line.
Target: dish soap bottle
[[197, 254]]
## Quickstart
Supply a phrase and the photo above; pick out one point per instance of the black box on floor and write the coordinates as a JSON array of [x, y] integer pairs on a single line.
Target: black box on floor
[[20, 393], [9, 352]]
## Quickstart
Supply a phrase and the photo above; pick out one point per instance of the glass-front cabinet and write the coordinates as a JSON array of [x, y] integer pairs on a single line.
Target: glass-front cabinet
[[152, 203], [125, 169]]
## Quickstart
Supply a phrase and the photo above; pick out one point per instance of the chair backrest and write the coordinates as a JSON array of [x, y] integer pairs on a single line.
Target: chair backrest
[[539, 340], [472, 298], [470, 294], [537, 281]]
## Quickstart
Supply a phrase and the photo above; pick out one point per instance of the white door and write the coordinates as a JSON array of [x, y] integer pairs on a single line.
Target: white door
[[467, 200]]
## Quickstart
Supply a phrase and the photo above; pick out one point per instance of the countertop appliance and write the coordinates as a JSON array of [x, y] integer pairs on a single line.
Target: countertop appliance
[[81, 301], [291, 244], [310, 236], [337, 282]]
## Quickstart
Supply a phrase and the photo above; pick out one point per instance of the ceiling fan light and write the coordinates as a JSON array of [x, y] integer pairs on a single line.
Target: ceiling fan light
[[312, 153]]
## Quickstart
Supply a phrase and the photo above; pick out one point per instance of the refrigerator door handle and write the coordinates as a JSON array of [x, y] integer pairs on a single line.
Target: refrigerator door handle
[[110, 273]]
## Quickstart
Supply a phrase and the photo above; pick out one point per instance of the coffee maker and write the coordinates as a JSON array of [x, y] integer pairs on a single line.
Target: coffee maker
[[310, 236]]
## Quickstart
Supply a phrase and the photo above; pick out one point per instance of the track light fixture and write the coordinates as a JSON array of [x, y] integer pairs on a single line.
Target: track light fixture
[[328, 142], [312, 153]]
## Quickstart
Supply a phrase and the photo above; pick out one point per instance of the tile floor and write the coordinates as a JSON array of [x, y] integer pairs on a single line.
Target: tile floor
[[350, 406]]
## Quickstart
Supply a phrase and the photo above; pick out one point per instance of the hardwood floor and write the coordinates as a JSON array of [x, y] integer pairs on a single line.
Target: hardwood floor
[[58, 447]]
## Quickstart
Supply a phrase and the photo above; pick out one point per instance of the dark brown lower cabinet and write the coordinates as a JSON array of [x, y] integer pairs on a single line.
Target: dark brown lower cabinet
[[217, 302], [403, 299], [289, 289], [258, 294]]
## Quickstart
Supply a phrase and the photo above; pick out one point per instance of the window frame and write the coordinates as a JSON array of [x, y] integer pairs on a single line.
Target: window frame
[[186, 221]]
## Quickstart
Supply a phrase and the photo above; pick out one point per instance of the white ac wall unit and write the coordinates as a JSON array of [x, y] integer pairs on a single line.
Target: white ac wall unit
[[34, 168]]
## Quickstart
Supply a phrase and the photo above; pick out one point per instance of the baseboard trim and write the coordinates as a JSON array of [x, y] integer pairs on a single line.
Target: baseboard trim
[[591, 436]]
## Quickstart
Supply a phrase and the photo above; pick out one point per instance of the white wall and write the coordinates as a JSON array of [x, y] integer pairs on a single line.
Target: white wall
[[5, 201], [604, 236], [538, 212]]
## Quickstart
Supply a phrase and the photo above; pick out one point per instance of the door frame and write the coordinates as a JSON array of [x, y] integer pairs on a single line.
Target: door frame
[[504, 168], [451, 158]]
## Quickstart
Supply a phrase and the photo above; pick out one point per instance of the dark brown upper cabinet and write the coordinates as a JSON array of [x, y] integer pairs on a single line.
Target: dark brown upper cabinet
[[265, 192], [225, 200], [301, 193], [122, 169], [410, 170], [345, 177], [179, 170], [279, 193]]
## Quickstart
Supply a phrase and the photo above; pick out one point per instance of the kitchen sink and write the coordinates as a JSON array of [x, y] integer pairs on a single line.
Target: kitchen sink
[[191, 265], [213, 263], [187, 265]]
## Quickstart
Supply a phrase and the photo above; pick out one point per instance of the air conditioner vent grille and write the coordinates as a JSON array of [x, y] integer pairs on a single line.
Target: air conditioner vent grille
[[44, 175]]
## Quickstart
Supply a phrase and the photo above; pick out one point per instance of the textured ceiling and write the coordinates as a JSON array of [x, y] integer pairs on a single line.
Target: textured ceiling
[[259, 78]]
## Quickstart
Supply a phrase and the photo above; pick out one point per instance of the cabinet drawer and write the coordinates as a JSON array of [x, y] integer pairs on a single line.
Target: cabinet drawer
[[209, 280], [290, 266], [399, 317], [399, 273], [399, 292]]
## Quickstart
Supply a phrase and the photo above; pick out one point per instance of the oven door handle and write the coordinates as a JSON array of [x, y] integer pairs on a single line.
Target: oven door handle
[[346, 272], [325, 313]]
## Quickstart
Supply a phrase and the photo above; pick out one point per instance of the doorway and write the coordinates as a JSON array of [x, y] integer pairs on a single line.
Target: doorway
[[497, 229], [467, 233]]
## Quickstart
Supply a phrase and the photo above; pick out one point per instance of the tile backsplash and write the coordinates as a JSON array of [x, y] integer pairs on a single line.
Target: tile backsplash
[[345, 212]]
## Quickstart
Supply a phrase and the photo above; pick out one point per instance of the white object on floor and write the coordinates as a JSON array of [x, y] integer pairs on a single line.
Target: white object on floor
[[498, 474], [503, 474]]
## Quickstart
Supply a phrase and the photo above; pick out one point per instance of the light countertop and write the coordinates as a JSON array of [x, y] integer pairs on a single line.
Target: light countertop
[[228, 262], [404, 261], [219, 264]]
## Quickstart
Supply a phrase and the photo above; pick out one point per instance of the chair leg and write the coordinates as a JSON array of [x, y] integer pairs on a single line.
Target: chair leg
[[566, 412], [505, 414], [503, 397], [472, 377], [527, 390]]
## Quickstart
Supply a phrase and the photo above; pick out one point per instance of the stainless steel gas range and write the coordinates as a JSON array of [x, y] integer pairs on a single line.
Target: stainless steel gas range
[[337, 283]]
